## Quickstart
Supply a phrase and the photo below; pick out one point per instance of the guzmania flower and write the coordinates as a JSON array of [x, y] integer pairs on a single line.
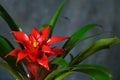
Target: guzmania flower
[[37, 46]]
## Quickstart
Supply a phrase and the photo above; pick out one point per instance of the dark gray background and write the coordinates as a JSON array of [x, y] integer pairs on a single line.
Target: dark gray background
[[29, 13]]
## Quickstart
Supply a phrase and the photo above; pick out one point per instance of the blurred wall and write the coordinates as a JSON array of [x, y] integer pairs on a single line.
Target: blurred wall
[[76, 13]]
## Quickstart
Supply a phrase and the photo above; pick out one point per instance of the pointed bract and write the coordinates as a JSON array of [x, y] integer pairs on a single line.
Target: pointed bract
[[46, 49], [13, 53], [37, 46], [58, 51], [45, 32], [44, 61], [21, 55], [20, 36], [55, 39], [35, 33]]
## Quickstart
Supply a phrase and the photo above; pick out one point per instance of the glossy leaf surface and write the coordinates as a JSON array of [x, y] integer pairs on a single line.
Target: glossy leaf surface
[[94, 47], [5, 48], [76, 37], [54, 19], [56, 73], [94, 71], [12, 71], [60, 61], [62, 76], [13, 26]]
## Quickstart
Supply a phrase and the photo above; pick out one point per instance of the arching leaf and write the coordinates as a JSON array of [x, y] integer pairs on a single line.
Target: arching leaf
[[12, 71], [13, 26], [91, 36], [5, 48], [53, 21], [94, 47], [56, 72], [94, 71], [77, 36], [59, 61], [62, 76]]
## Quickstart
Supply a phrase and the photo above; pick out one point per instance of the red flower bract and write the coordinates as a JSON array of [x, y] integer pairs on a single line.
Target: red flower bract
[[36, 46]]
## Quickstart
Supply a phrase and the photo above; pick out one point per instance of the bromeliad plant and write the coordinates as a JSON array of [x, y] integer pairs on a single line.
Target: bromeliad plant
[[30, 61]]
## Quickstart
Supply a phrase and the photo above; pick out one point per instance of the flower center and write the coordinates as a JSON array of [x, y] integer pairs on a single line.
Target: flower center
[[35, 43]]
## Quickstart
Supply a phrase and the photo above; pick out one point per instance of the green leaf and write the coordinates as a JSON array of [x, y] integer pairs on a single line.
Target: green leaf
[[53, 21], [56, 73], [94, 71], [5, 48], [71, 57], [13, 26], [91, 36], [6, 66], [76, 37], [57, 13], [94, 47], [59, 61], [62, 76]]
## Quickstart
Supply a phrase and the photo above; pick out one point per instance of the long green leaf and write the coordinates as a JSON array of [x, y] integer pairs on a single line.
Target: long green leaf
[[88, 37], [91, 36], [57, 13], [62, 76], [77, 36], [59, 61], [5, 48], [94, 71], [53, 21], [94, 47], [6, 66], [13, 26], [57, 72]]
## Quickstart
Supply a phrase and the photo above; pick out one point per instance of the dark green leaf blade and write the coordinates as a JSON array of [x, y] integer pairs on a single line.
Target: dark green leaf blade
[[12, 71], [62, 76], [57, 13], [94, 47], [76, 37], [91, 36], [13, 26], [5, 48], [94, 71], [56, 73], [53, 21], [59, 61]]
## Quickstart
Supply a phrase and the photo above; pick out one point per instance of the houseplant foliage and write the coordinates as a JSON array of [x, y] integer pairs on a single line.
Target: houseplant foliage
[[35, 49]]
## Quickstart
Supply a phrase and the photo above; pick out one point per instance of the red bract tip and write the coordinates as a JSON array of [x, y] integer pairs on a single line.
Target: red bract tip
[[37, 46]]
